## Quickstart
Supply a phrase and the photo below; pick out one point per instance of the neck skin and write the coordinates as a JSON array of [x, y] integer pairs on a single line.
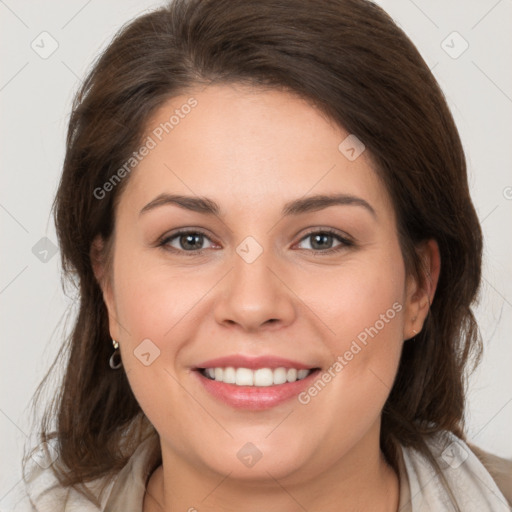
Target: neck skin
[[360, 480]]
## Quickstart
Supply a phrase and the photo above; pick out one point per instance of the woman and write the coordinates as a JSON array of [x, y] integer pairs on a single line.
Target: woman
[[266, 209]]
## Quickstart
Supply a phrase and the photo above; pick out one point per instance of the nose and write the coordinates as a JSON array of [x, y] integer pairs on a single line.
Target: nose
[[255, 296]]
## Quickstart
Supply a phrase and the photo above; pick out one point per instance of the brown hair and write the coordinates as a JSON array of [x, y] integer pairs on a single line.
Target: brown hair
[[349, 59]]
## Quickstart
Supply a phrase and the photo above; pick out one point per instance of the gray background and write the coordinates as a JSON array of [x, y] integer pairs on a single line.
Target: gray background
[[35, 99]]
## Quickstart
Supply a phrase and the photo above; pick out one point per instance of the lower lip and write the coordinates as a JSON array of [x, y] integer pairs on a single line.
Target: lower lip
[[254, 397]]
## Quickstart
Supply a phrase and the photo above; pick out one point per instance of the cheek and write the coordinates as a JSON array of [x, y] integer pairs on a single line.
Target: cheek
[[164, 402], [153, 300], [364, 297], [152, 310], [366, 314], [365, 310]]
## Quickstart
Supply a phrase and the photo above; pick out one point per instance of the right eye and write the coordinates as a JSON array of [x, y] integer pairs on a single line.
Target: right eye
[[185, 241]]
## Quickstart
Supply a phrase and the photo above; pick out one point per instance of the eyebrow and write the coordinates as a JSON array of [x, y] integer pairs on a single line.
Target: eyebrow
[[207, 206]]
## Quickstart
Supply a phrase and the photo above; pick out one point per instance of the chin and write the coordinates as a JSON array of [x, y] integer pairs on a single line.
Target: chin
[[256, 461]]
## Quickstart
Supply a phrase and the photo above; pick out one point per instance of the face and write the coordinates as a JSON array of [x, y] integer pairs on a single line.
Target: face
[[270, 283]]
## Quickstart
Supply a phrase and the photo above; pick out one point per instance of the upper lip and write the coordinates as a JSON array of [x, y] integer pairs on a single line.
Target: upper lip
[[241, 361]]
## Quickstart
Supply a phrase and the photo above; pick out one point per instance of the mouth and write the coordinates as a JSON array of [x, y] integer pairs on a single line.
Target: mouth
[[261, 377], [254, 383]]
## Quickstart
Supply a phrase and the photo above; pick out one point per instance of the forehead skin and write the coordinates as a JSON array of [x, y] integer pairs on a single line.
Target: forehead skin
[[251, 163]]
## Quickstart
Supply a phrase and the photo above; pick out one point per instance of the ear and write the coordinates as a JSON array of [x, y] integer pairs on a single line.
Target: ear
[[420, 292], [103, 274]]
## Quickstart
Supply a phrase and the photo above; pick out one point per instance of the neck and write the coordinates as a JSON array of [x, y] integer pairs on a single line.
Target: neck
[[360, 480]]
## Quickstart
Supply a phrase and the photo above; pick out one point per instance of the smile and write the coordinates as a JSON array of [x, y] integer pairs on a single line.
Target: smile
[[261, 377]]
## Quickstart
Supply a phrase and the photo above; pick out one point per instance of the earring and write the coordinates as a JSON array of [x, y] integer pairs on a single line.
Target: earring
[[112, 363], [415, 331]]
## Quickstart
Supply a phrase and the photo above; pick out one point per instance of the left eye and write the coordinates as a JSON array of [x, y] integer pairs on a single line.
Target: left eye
[[323, 240]]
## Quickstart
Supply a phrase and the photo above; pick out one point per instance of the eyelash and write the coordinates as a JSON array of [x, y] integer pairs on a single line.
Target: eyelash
[[345, 242]]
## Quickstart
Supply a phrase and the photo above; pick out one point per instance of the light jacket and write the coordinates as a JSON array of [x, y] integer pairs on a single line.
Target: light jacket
[[480, 481]]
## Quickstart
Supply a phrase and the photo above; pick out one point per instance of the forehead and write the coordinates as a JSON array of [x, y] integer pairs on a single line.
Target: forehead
[[247, 147]]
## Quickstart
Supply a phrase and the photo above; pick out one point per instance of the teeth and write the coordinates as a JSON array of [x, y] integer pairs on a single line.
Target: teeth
[[244, 377], [291, 375], [260, 378], [229, 376], [302, 373], [279, 375]]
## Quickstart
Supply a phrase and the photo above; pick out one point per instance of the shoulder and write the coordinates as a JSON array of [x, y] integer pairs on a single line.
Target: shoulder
[[460, 474], [498, 467], [41, 491]]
